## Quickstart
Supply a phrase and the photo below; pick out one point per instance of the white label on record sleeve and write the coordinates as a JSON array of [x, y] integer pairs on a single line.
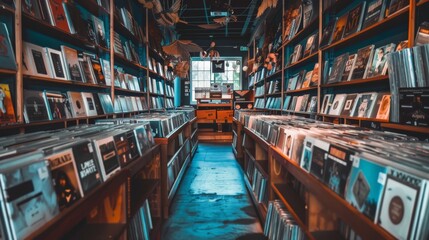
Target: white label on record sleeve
[[43, 172], [90, 148], [381, 178], [356, 161]]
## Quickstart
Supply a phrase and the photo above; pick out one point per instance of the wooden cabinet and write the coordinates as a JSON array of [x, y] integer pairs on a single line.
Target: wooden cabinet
[[214, 116]]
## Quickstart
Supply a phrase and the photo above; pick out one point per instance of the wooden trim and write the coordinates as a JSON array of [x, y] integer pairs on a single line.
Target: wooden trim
[[412, 23], [382, 78], [303, 60], [18, 55], [65, 82], [262, 143], [403, 127], [308, 89], [112, 51], [278, 94], [355, 118], [422, 2]]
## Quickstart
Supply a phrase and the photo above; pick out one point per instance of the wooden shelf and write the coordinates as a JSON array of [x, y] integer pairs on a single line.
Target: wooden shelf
[[378, 79], [169, 97], [273, 94], [261, 142], [172, 135], [123, 31], [302, 61], [129, 63], [155, 54], [36, 79], [93, 7], [157, 94], [388, 22], [214, 104], [213, 99], [355, 118], [260, 96], [7, 71], [260, 207], [312, 26], [302, 90], [275, 74], [98, 231], [304, 113], [67, 219], [122, 90], [155, 74], [137, 165], [359, 222], [262, 165], [178, 179], [422, 2], [141, 189], [57, 33], [213, 121], [408, 128], [337, 6]]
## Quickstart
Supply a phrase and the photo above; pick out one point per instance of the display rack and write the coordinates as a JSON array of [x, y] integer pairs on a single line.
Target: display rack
[[177, 150], [214, 116]]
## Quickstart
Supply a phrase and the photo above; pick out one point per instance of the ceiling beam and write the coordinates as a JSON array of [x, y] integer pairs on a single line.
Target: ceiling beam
[[249, 16]]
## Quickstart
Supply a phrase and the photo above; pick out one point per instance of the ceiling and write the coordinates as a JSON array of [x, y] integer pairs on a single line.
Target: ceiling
[[198, 12]]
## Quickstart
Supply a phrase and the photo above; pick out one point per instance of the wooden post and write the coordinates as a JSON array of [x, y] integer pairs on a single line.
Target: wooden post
[[19, 77], [112, 51], [412, 23]]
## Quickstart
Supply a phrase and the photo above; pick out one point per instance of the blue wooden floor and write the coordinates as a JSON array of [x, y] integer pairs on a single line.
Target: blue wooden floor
[[212, 201]]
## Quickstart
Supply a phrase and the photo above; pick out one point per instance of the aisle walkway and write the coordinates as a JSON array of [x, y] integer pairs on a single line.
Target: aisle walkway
[[212, 201]]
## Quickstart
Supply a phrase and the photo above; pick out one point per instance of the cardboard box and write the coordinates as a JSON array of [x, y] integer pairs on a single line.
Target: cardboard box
[[206, 114], [225, 114]]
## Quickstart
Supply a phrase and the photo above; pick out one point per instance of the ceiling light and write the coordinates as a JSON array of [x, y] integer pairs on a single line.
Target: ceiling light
[[218, 13]]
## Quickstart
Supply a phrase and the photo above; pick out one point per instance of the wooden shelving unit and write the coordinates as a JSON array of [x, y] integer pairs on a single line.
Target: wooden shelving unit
[[237, 147], [213, 128]]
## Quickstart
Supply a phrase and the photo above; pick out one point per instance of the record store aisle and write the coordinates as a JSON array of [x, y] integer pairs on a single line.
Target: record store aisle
[[212, 201]]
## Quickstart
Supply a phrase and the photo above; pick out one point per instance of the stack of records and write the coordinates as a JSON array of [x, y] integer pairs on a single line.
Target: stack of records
[[280, 224]]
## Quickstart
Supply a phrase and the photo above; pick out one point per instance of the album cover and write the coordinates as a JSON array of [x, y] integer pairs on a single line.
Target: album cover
[[100, 33], [36, 62], [365, 186], [315, 77], [327, 33], [318, 158], [86, 67], [379, 62], [399, 203], [56, 63], [300, 79], [348, 71], [354, 20], [106, 155], [337, 168], [77, 103], [338, 104], [422, 36], [97, 70], [298, 19], [106, 103], [311, 45], [59, 15], [414, 107], [7, 55], [123, 102], [339, 28], [122, 147], [30, 7], [35, 108], [118, 47], [363, 62], [59, 106], [338, 67], [308, 12], [27, 195], [348, 105], [73, 70], [46, 12], [304, 103], [292, 82], [326, 104], [297, 52], [364, 105], [64, 177], [312, 106], [7, 111], [74, 20], [88, 100], [374, 13], [384, 109], [396, 5], [117, 108], [307, 79], [402, 45], [105, 66]]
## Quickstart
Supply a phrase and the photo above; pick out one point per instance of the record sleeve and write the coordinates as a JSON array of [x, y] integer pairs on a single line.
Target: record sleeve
[[7, 55], [318, 158], [58, 15], [422, 36], [338, 67], [338, 104], [308, 12], [71, 60], [348, 105], [27, 195], [326, 104], [88, 100], [384, 109], [106, 155], [59, 105], [30, 7], [337, 168], [339, 28], [112, 209], [396, 5], [36, 62], [354, 20], [297, 13], [363, 62], [315, 76], [122, 147], [399, 202], [365, 186], [312, 106], [379, 62], [106, 103], [98, 71], [364, 105], [100, 32], [56, 63], [307, 79], [348, 71], [374, 13], [310, 46], [77, 103], [414, 107], [85, 65], [35, 106], [105, 65], [7, 111], [64, 177], [327, 33]]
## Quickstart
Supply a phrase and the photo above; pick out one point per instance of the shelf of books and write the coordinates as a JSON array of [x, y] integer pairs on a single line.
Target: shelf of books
[[319, 177]]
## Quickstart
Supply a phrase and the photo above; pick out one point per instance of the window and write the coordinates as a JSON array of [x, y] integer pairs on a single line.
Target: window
[[202, 76]]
